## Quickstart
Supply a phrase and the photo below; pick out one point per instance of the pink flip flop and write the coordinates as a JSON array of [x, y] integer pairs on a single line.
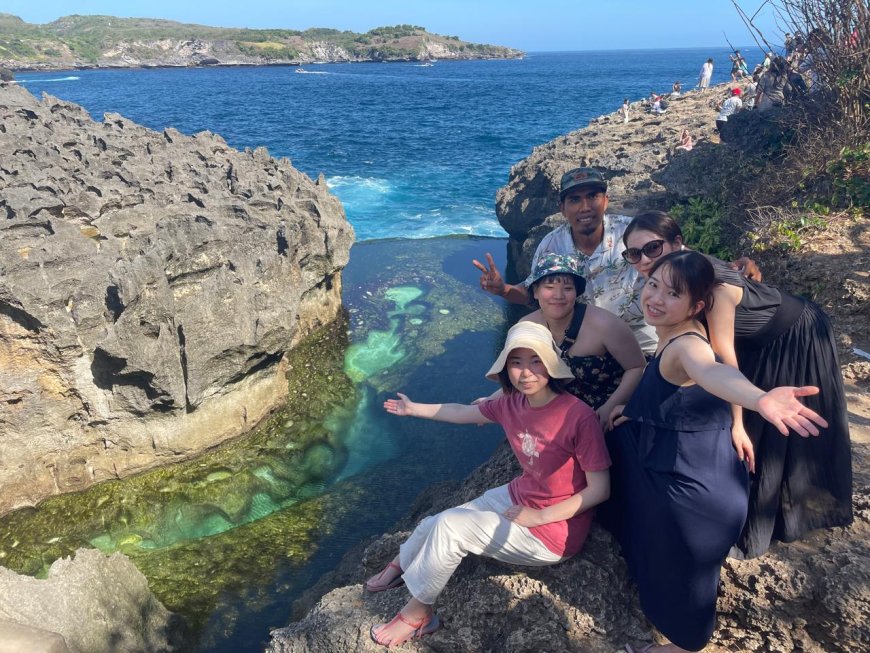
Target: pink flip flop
[[398, 580], [643, 649], [421, 628]]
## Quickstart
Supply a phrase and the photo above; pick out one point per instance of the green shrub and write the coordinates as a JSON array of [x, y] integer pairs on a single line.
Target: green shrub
[[701, 222]]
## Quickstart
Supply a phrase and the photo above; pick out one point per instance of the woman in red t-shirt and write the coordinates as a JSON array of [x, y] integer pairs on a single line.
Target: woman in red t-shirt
[[540, 518]]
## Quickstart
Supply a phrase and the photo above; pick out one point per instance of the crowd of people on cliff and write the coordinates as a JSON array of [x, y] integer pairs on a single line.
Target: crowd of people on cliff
[[689, 404], [771, 84]]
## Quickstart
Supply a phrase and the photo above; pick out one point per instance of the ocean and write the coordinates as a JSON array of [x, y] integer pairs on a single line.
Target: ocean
[[412, 151], [416, 154]]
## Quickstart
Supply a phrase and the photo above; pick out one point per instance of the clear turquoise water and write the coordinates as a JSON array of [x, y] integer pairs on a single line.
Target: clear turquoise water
[[413, 152]]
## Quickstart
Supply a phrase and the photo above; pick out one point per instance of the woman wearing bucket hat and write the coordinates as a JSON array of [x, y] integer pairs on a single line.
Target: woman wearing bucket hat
[[599, 348], [540, 518]]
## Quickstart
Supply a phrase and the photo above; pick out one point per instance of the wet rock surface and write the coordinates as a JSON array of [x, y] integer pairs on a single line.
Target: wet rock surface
[[150, 285]]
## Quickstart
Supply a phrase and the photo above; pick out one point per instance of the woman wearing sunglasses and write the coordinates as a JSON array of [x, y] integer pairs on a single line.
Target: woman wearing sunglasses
[[774, 339]]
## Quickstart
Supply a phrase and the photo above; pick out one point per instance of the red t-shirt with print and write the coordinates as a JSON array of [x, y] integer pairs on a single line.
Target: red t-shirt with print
[[555, 445]]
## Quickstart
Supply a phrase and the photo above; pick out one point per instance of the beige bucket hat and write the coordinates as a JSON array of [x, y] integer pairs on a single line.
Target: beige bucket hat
[[537, 338]]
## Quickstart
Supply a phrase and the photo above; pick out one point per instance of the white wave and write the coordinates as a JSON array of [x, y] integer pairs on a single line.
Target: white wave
[[312, 72], [357, 183], [71, 78]]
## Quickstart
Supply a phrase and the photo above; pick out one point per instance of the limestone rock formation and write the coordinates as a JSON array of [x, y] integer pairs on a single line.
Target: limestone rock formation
[[811, 596], [88, 604], [627, 154], [150, 284]]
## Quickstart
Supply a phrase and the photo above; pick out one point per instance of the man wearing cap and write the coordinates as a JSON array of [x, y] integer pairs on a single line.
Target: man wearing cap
[[595, 237], [729, 107]]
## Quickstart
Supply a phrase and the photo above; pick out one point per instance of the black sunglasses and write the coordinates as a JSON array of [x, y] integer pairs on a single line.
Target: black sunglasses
[[653, 249]]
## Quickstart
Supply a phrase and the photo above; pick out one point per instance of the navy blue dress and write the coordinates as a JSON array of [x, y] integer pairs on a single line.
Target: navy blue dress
[[678, 501]]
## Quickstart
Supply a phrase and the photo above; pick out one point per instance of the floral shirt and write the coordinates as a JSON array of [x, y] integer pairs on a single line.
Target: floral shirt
[[611, 283]]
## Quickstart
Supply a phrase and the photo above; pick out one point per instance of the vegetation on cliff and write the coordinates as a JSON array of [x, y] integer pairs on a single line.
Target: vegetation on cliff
[[801, 168], [107, 40]]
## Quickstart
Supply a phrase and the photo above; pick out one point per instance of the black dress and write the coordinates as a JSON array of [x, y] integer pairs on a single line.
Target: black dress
[[595, 377], [678, 501], [799, 484]]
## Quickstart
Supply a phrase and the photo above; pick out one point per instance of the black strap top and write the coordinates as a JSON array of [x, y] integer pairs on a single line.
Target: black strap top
[[595, 377]]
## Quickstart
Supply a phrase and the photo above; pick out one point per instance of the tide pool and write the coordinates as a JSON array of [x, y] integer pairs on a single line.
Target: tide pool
[[231, 538]]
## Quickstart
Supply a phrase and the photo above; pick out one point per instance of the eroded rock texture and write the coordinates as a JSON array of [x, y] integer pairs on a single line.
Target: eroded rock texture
[[150, 284]]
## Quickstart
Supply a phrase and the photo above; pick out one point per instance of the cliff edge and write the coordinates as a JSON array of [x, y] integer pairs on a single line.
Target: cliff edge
[[150, 284]]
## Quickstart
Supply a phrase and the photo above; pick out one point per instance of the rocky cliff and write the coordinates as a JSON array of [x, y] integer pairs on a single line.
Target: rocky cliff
[[150, 284], [109, 41], [627, 153]]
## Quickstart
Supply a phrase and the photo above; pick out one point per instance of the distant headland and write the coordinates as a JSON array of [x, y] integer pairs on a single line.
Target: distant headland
[[110, 42]]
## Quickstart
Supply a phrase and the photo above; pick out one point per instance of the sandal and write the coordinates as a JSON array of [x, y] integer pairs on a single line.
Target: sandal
[[425, 626], [643, 649], [398, 580]]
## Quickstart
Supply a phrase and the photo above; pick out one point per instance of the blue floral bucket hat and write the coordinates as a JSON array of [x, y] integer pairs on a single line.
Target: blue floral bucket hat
[[551, 263]]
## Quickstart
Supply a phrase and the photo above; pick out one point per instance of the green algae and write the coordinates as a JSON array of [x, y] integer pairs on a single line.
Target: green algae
[[225, 523], [240, 482]]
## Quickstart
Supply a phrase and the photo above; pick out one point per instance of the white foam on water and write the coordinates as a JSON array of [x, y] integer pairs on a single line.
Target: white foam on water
[[71, 78], [344, 183]]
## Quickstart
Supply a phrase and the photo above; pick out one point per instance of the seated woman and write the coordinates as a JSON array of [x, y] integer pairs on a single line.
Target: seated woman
[[679, 493], [773, 338], [685, 141], [540, 518], [599, 347]]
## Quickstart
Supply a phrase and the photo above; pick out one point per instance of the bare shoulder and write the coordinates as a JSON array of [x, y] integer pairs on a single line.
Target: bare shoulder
[[536, 316], [603, 319]]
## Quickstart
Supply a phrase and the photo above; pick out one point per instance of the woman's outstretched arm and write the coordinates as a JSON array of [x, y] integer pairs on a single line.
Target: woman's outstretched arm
[[453, 413], [780, 406]]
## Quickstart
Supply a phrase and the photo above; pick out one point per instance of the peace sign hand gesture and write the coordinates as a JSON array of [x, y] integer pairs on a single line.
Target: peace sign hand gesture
[[491, 280]]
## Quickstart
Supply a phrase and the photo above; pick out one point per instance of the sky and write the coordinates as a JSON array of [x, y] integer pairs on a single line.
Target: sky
[[530, 25]]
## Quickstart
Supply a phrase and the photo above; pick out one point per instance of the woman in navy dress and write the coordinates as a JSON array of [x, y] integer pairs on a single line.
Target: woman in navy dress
[[773, 338], [679, 492]]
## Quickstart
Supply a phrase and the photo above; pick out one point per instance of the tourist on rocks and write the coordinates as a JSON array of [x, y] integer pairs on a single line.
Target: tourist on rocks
[[625, 110], [676, 89], [729, 107], [595, 238], [706, 75], [773, 86], [738, 66], [773, 338], [686, 143], [541, 517], [679, 493], [750, 91]]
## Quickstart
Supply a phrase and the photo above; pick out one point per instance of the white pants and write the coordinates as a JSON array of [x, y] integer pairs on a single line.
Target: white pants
[[439, 543]]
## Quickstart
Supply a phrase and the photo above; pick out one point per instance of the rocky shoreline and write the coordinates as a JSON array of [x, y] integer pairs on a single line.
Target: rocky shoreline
[[86, 42]]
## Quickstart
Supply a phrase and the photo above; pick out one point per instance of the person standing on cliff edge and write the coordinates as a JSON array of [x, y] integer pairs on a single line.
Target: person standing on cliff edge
[[595, 238], [706, 75]]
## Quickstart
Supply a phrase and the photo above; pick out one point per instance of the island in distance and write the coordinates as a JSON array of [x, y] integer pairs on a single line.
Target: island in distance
[[110, 42]]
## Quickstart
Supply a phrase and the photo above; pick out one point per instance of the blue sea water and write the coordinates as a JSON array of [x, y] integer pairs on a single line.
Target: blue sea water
[[411, 151]]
